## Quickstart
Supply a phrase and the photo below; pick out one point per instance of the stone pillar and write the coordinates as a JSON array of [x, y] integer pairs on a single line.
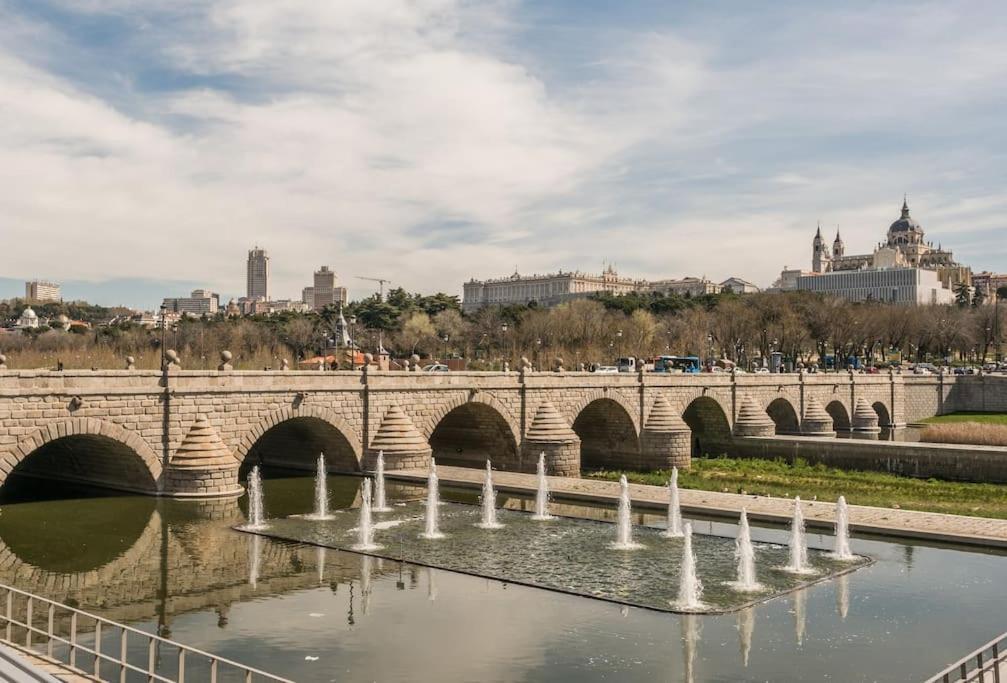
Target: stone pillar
[[397, 437], [550, 434], [817, 421], [203, 466], [865, 420], [752, 420], [665, 440]]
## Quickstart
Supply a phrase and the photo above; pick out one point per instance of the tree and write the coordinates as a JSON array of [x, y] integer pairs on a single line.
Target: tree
[[417, 330], [300, 334], [962, 295]]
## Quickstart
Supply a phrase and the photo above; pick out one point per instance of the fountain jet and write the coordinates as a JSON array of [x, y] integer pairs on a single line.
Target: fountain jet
[[433, 503], [256, 521], [798, 544], [674, 529], [489, 519], [380, 503], [690, 588], [842, 549], [365, 527], [624, 526], [744, 552], [321, 492], [542, 495]]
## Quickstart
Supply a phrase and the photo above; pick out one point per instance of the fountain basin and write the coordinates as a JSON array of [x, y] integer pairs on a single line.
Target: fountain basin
[[570, 555]]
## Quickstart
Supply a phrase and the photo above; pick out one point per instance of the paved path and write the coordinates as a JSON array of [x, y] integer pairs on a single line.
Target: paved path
[[885, 521], [25, 666]]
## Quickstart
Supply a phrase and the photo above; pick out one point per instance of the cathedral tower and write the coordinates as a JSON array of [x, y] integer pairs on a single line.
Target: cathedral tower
[[819, 253]]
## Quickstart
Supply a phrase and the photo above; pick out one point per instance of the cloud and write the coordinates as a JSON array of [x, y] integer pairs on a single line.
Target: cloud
[[434, 141]]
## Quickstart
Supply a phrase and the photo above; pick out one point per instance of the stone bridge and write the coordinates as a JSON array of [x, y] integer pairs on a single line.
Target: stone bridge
[[188, 433]]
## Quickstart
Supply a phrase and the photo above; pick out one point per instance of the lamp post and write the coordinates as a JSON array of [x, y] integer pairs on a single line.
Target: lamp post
[[164, 317], [446, 339], [353, 342], [504, 327], [538, 347], [709, 343]]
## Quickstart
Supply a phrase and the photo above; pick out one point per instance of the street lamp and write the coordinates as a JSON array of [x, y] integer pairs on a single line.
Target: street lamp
[[538, 347], [164, 316], [709, 341], [353, 343]]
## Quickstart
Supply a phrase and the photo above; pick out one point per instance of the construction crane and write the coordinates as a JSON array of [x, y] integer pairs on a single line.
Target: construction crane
[[382, 282]]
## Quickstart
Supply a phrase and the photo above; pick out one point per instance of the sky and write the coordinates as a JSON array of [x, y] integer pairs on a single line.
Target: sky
[[148, 145]]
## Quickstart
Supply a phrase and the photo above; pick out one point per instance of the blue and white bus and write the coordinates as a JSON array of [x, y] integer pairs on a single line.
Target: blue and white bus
[[689, 364]]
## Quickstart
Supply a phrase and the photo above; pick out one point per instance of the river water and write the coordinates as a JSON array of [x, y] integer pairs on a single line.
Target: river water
[[323, 615]]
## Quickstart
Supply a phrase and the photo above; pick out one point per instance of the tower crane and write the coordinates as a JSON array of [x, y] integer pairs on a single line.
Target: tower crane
[[380, 280]]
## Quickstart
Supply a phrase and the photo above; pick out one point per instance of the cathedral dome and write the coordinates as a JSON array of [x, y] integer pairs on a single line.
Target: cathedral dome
[[905, 223]]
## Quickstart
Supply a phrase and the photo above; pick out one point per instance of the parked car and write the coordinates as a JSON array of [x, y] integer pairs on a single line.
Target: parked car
[[436, 367], [607, 370], [761, 371]]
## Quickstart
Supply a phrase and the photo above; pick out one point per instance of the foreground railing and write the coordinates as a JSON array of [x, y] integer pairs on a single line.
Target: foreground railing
[[108, 650], [982, 665]]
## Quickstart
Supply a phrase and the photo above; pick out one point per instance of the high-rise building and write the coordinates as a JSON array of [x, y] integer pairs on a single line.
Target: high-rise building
[[308, 296], [40, 291], [199, 302], [258, 274], [325, 293]]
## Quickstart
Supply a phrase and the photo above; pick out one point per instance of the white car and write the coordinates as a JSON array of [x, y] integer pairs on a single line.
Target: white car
[[761, 371], [436, 367], [607, 370]]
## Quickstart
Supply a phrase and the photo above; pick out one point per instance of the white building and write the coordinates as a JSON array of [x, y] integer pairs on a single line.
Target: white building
[[40, 291], [28, 320], [739, 286], [898, 284], [199, 302]]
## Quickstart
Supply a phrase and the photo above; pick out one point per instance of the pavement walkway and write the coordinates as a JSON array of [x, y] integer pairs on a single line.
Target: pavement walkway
[[931, 526]]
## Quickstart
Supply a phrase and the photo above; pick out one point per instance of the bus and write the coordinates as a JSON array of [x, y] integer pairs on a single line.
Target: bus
[[690, 364]]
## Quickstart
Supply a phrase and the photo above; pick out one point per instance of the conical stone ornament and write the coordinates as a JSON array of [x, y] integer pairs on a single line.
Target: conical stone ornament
[[203, 465], [864, 417], [397, 433], [752, 420], [549, 425], [663, 419], [817, 421]]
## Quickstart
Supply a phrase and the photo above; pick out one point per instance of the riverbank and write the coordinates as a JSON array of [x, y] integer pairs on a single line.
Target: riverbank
[[781, 479]]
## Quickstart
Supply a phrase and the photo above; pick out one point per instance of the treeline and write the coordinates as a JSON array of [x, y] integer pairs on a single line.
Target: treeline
[[802, 326]]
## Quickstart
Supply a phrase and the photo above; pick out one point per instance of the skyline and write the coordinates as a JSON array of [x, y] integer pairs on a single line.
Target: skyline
[[153, 146]]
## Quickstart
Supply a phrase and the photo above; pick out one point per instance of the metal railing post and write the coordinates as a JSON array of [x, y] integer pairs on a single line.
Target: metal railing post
[[28, 621], [122, 655], [151, 659], [181, 666], [10, 613], [50, 630], [73, 640], [97, 649]]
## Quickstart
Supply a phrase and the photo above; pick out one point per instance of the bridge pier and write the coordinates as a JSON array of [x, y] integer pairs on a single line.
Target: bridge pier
[[549, 434], [665, 441]]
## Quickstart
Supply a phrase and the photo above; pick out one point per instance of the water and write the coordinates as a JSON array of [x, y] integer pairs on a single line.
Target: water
[[365, 525], [690, 588], [380, 498], [489, 502], [745, 554], [321, 491], [433, 513], [674, 526], [256, 515], [542, 493], [624, 525], [159, 563], [842, 547], [798, 545]]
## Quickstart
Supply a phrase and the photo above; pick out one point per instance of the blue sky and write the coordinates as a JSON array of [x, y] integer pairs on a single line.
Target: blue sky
[[148, 145]]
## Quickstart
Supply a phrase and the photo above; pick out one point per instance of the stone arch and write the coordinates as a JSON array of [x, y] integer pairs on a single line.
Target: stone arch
[[472, 432], [884, 416], [89, 451], [710, 425], [840, 415], [310, 429], [784, 415], [478, 397], [577, 407], [608, 434]]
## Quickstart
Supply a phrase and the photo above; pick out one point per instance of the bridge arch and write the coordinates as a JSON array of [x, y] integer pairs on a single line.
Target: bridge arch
[[608, 434], [89, 451], [884, 417], [481, 398], [574, 409], [784, 415], [293, 437], [711, 428], [840, 415], [468, 432]]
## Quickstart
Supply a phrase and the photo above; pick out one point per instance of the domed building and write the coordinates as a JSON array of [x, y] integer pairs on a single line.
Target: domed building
[[906, 239], [28, 320]]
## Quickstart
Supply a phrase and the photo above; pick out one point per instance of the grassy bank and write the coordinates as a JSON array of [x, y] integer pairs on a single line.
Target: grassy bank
[[981, 418], [780, 479]]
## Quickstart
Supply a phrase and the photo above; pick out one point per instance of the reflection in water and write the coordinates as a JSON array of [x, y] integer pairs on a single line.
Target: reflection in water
[[254, 559], [320, 562], [843, 595], [431, 585], [746, 626], [800, 607], [690, 638], [365, 582]]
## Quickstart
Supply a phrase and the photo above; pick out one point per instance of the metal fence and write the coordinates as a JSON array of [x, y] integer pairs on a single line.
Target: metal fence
[[110, 651], [983, 666]]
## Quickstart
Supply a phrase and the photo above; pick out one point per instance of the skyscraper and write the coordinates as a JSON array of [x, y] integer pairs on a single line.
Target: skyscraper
[[258, 274], [325, 292]]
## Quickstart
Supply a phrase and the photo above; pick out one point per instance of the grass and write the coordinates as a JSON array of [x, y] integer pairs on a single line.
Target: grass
[[971, 433], [779, 478], [982, 418]]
